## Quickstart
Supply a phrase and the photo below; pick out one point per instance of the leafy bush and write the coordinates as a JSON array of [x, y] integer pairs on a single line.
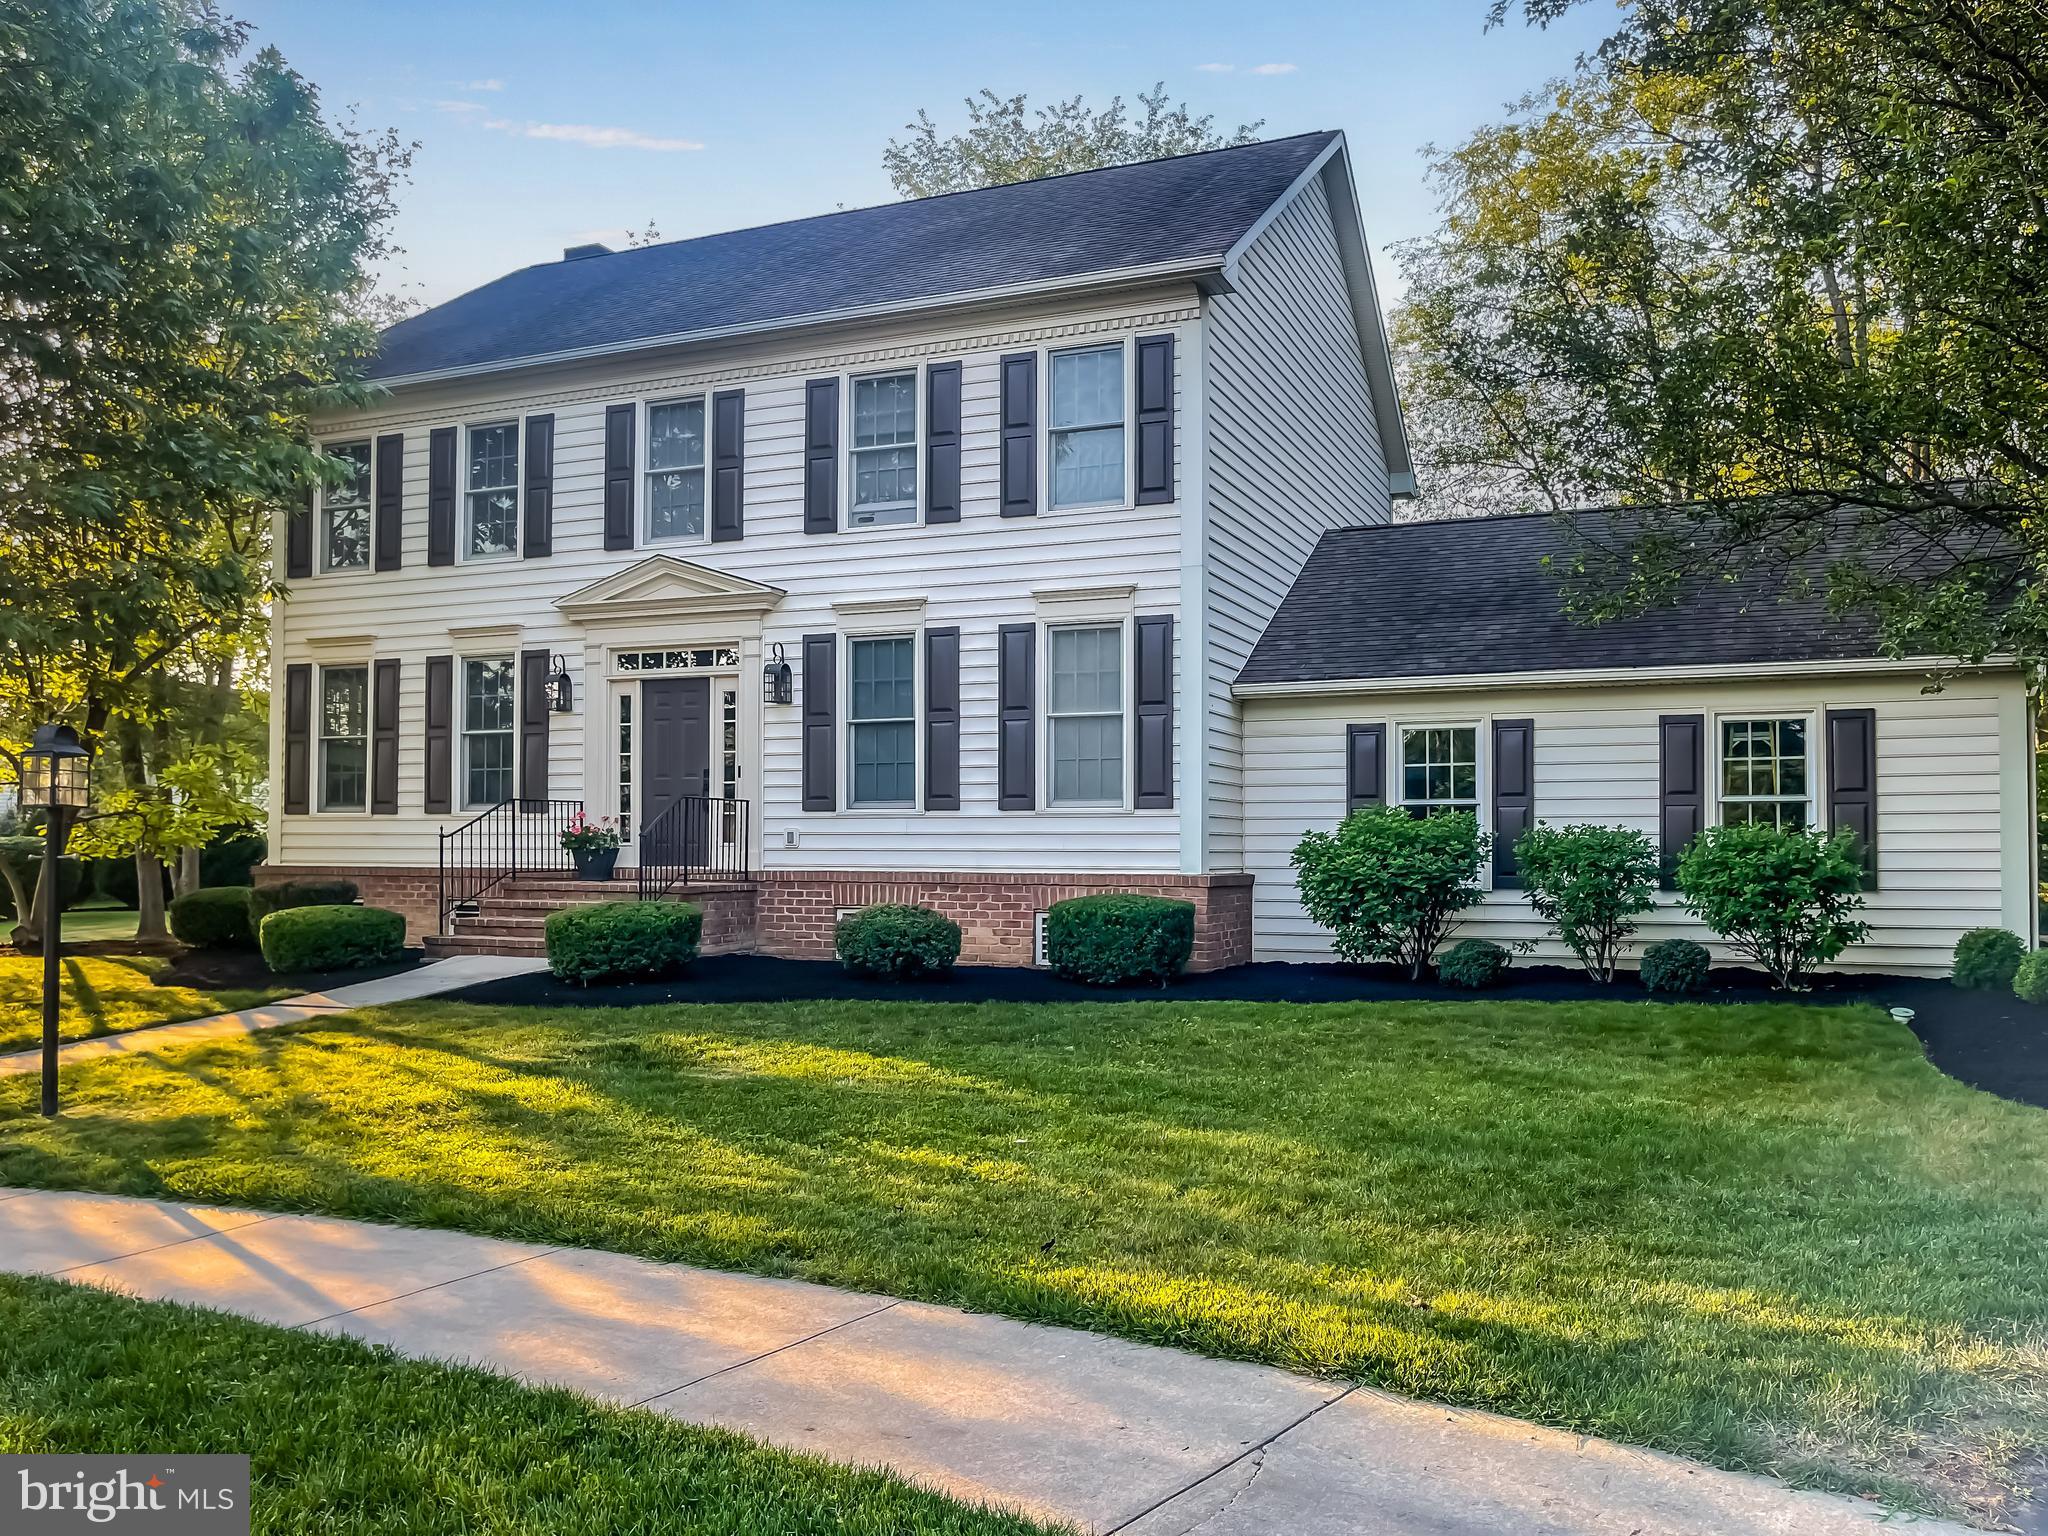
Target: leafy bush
[[229, 860], [623, 940], [1589, 883], [1988, 959], [1783, 899], [897, 943], [330, 938], [2030, 981], [24, 853], [216, 917], [1389, 886], [1119, 939], [1676, 966], [115, 879], [1474, 964], [285, 894]]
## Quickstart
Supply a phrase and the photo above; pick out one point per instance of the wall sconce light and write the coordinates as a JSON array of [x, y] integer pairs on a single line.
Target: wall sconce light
[[778, 686], [561, 695]]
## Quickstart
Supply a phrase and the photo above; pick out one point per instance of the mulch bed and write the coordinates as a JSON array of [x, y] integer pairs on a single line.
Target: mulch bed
[[219, 969]]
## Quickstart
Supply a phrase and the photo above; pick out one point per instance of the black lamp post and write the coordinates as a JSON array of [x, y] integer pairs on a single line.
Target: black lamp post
[[56, 776]]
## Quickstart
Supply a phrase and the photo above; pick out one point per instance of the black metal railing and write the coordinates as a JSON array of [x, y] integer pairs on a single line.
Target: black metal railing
[[697, 837], [513, 837]]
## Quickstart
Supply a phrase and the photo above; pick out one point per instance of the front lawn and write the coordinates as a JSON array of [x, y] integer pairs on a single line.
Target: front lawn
[[344, 1438], [104, 994], [1770, 1236]]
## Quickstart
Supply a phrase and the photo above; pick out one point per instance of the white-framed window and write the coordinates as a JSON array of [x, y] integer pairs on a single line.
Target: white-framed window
[[883, 458], [1439, 768], [345, 511], [491, 502], [1765, 771], [488, 717], [344, 738], [1038, 939], [675, 471], [1085, 426], [881, 716], [1084, 708], [625, 762]]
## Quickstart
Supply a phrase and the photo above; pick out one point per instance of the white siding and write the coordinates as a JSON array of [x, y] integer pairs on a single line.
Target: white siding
[[1954, 807]]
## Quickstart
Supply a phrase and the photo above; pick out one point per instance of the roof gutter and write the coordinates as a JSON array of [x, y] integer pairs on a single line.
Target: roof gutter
[[1600, 677]]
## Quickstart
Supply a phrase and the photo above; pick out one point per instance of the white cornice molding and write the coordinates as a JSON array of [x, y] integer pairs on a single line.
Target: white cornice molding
[[1114, 601], [339, 642], [663, 586], [1609, 677]]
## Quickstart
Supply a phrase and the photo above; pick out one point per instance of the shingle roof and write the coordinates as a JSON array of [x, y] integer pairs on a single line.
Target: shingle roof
[[1189, 208]]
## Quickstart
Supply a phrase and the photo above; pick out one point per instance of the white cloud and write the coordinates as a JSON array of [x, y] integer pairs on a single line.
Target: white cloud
[[1215, 69], [1274, 69], [459, 108], [482, 85], [596, 138]]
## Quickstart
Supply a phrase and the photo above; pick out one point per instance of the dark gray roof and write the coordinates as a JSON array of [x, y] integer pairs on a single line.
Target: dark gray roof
[[1188, 208]]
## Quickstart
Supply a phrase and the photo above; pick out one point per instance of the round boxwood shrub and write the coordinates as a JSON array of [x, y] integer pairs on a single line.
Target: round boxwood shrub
[[623, 940], [1120, 939], [1676, 966], [1988, 959], [2030, 981], [1472, 963], [897, 943], [213, 918], [330, 938], [310, 892]]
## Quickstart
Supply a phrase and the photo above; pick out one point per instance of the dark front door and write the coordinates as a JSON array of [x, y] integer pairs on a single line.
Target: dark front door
[[675, 763]]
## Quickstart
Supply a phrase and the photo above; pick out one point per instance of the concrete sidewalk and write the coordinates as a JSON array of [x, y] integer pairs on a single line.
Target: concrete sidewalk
[[422, 981], [1112, 1436]]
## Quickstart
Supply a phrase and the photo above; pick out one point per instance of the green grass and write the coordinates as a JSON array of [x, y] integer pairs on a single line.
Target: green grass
[[1771, 1236], [87, 925], [104, 994], [345, 1438]]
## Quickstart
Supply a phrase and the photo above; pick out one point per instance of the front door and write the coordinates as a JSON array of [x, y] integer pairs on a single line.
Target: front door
[[675, 764]]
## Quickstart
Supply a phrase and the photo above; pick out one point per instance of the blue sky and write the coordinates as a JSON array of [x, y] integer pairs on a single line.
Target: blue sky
[[544, 124]]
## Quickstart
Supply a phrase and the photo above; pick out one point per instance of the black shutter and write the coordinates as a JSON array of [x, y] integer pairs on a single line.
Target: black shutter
[[533, 727], [1514, 794], [441, 496], [618, 476], [821, 457], [298, 538], [728, 465], [1852, 782], [942, 719], [440, 718], [390, 538], [1152, 696], [1155, 419], [1681, 787], [384, 739], [1020, 435], [1016, 709], [540, 487], [1365, 766], [942, 443], [821, 722], [298, 738]]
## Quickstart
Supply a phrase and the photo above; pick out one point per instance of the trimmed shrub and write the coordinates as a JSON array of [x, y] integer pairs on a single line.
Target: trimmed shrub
[[1783, 899], [1589, 883], [1676, 966], [330, 938], [286, 894], [623, 940], [1389, 886], [897, 943], [1473, 963], [213, 918], [1120, 939], [1988, 959], [2030, 981], [229, 861]]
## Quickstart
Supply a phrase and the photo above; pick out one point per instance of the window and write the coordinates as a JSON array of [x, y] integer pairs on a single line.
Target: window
[[1087, 427], [675, 470], [882, 717], [1763, 772], [493, 490], [884, 450], [345, 512], [626, 766], [487, 715], [344, 737], [1440, 768], [1085, 708]]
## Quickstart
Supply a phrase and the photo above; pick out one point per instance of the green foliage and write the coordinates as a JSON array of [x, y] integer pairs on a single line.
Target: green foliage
[[897, 943], [623, 940], [229, 860], [1589, 883], [1987, 959], [1388, 885], [23, 857], [1676, 966], [1474, 964], [216, 917], [1119, 939], [1784, 899], [2030, 981], [330, 938], [308, 892]]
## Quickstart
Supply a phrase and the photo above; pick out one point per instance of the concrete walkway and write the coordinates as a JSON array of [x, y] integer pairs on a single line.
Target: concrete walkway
[[1112, 1436], [421, 981]]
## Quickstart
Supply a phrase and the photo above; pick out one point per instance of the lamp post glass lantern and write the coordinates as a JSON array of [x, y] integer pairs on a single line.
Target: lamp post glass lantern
[[56, 778]]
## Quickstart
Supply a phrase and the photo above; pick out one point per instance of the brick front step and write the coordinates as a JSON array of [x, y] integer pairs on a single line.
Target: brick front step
[[441, 945]]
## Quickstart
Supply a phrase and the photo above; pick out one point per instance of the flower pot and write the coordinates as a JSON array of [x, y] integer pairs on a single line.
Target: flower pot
[[595, 863]]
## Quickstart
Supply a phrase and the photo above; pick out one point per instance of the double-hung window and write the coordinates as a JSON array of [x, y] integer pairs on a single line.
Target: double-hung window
[[493, 499], [882, 719], [344, 738], [487, 722], [675, 470], [1763, 773], [345, 511], [1085, 715], [1439, 768], [1086, 431], [884, 450]]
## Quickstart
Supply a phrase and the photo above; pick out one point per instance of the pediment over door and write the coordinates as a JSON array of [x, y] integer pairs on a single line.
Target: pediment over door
[[661, 586]]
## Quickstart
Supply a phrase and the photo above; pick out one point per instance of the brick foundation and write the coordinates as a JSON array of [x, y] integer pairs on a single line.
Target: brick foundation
[[413, 892]]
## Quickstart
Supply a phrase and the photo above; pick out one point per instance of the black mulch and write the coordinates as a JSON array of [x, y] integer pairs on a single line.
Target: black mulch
[[213, 969], [1990, 1040]]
